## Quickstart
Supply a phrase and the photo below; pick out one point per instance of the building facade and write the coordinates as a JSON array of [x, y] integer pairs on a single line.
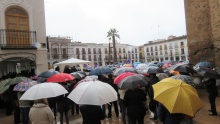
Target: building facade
[[203, 27], [172, 49], [22, 36], [61, 48]]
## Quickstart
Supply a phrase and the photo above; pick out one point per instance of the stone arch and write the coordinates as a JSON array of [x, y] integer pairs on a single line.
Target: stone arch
[[8, 4]]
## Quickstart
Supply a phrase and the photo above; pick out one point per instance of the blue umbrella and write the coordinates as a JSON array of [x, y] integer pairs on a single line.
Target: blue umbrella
[[204, 64], [100, 71], [48, 73]]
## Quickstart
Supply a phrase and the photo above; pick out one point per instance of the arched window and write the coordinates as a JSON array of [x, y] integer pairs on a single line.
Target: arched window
[[17, 27]]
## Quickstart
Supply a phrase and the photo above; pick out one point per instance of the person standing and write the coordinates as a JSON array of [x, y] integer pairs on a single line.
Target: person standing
[[211, 89], [166, 117], [135, 101], [40, 112], [91, 114], [63, 105], [110, 81], [25, 106], [153, 103]]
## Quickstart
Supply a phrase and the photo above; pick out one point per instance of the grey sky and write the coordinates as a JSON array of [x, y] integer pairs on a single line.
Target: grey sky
[[138, 21]]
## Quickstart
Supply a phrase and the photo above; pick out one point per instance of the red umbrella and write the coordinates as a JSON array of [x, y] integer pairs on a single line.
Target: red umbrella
[[122, 76], [60, 77]]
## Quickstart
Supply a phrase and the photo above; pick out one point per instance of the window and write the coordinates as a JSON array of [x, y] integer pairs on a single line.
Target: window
[[64, 53], [182, 51], [18, 21], [94, 51], [89, 51], [83, 51]]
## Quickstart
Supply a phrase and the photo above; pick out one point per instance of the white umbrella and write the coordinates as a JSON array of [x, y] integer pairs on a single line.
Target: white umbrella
[[43, 90], [93, 93]]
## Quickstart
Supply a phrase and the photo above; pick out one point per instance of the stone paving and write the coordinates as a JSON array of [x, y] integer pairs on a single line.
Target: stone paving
[[201, 117]]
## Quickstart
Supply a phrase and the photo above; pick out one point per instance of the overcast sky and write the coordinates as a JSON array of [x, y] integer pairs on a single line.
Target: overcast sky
[[138, 21]]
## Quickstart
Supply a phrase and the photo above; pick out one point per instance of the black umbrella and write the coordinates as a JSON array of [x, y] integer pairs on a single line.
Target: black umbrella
[[153, 70], [133, 81], [77, 75], [182, 68], [123, 69], [82, 72], [212, 74], [48, 73]]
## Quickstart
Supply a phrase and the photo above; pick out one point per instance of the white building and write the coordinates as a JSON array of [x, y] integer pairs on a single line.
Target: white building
[[61, 48], [22, 36], [172, 49]]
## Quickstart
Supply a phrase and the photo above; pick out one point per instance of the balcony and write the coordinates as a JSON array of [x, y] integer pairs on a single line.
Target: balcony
[[64, 56], [17, 39], [55, 56]]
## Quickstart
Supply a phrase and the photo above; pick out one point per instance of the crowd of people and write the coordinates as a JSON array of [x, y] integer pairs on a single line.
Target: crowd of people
[[132, 105]]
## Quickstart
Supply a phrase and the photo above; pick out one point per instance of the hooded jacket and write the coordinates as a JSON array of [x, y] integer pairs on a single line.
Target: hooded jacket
[[41, 114]]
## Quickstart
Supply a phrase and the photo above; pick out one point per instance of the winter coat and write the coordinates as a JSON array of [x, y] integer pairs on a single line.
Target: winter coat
[[210, 85], [166, 117], [91, 114], [134, 101], [63, 103], [41, 114]]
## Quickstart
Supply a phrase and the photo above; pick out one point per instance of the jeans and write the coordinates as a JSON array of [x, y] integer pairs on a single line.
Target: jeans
[[66, 116], [25, 114]]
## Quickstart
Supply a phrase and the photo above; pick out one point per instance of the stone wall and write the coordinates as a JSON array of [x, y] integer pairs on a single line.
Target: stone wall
[[203, 30]]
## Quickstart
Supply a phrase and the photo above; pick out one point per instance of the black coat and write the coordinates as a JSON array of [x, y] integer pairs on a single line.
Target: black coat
[[63, 103], [210, 85], [91, 114], [167, 118], [134, 102]]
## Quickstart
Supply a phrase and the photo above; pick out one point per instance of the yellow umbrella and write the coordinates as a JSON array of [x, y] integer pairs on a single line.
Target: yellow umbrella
[[177, 96]]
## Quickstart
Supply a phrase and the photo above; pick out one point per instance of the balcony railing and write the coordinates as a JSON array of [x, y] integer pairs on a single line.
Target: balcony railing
[[17, 39]]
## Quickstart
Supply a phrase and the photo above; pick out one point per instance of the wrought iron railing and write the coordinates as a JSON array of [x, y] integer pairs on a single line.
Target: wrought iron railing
[[17, 39]]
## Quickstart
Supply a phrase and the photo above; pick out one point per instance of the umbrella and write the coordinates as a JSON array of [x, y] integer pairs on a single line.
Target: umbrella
[[122, 70], [3, 89], [3, 86], [77, 75], [182, 68], [122, 76], [60, 77], [93, 93], [87, 79], [44, 90], [208, 72], [133, 81], [212, 74], [48, 73], [177, 96], [141, 67], [153, 70], [185, 78], [161, 76], [17, 80], [24, 85], [127, 65], [204, 64], [100, 71], [82, 72]]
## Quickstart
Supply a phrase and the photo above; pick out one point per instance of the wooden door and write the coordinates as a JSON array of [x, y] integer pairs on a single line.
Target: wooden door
[[17, 25]]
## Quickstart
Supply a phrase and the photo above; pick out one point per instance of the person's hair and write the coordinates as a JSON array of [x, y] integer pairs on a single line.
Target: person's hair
[[44, 101], [110, 76]]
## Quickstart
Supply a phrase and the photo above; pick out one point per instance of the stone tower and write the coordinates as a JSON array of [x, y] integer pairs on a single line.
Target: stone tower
[[203, 30]]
